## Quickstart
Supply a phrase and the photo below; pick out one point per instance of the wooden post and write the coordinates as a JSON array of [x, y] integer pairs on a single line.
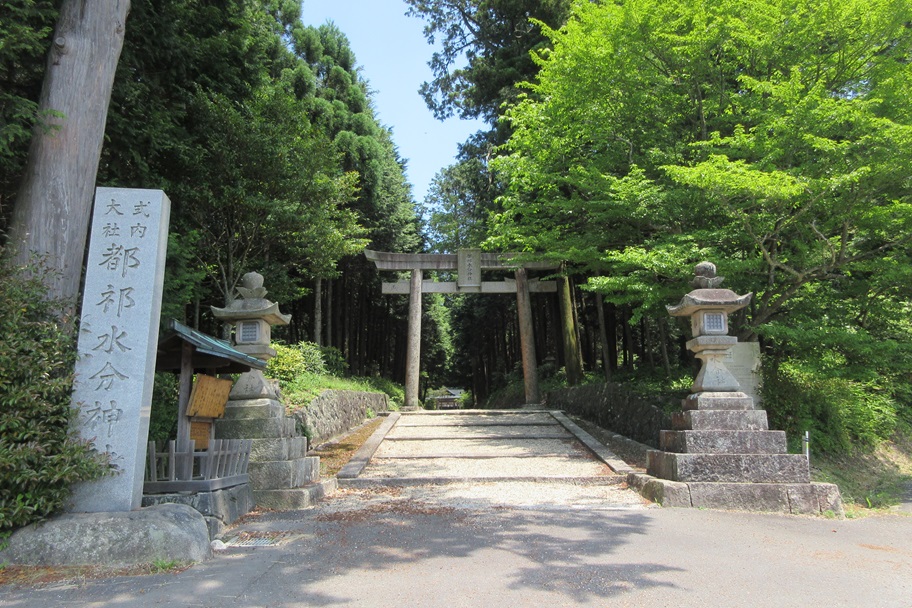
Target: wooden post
[[183, 420], [413, 354], [527, 338]]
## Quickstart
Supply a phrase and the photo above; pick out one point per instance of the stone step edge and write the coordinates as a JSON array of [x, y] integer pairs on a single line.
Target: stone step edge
[[478, 412], [295, 498], [679, 494], [373, 482], [473, 456], [559, 435], [444, 425]]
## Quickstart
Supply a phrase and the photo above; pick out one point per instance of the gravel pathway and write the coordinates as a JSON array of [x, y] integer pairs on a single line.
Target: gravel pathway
[[498, 459]]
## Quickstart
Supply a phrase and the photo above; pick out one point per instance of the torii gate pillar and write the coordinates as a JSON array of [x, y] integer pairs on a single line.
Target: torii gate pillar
[[413, 352]]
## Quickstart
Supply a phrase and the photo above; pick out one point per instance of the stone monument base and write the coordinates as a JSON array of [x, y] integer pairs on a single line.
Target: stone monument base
[[127, 538], [794, 498], [722, 455], [220, 508]]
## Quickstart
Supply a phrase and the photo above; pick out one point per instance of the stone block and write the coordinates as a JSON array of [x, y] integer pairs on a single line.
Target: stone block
[[829, 499], [254, 408], [164, 532], [720, 420], [297, 498], [767, 497], [281, 448], [253, 385], [803, 499], [743, 468], [284, 474], [664, 492], [254, 428], [718, 401], [226, 505], [724, 442]]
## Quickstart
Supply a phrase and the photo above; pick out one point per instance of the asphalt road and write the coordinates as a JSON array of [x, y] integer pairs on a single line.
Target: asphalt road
[[579, 538], [403, 547]]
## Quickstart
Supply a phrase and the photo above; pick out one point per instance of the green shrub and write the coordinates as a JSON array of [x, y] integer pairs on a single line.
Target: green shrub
[[395, 392], [295, 360], [40, 457], [841, 414], [334, 361]]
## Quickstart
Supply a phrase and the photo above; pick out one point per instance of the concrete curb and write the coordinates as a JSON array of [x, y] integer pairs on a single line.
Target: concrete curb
[[604, 454], [356, 465]]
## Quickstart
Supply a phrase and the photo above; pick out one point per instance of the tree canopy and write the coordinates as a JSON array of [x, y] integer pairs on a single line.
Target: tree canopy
[[770, 137]]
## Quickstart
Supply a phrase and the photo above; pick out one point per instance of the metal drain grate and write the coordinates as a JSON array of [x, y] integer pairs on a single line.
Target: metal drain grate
[[262, 539]]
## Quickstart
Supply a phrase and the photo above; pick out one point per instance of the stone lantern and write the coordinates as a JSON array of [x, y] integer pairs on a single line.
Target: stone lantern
[[708, 307], [720, 452], [253, 316]]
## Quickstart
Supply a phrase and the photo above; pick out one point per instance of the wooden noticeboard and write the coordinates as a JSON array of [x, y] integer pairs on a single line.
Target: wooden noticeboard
[[209, 397], [200, 433]]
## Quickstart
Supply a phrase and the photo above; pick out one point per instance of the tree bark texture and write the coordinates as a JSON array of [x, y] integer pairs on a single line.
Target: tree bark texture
[[603, 336], [53, 208], [572, 362]]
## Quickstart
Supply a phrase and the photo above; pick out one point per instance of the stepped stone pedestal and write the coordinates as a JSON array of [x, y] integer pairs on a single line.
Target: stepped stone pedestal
[[720, 452], [281, 474]]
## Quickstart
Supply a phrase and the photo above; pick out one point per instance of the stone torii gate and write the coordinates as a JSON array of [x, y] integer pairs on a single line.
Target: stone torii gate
[[468, 264]]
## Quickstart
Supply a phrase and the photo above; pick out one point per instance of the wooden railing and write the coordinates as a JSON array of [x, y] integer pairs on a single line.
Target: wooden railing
[[222, 465]]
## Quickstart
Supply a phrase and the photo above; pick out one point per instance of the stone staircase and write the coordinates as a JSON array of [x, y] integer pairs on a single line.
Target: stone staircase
[[721, 454], [281, 474]]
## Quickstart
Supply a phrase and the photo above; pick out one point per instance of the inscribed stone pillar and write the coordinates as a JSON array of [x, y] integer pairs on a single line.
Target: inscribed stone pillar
[[413, 354], [526, 338], [118, 336]]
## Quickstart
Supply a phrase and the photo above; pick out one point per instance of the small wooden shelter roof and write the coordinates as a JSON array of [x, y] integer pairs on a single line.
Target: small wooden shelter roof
[[209, 353]]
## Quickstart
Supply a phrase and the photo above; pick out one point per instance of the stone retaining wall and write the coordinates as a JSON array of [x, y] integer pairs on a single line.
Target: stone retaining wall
[[613, 407], [334, 412]]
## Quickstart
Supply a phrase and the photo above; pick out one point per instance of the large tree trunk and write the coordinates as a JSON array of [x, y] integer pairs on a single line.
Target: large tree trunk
[[572, 356], [51, 215], [603, 335]]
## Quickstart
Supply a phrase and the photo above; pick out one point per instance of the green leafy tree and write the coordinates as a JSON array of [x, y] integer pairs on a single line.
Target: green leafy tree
[[494, 38], [769, 137], [25, 29]]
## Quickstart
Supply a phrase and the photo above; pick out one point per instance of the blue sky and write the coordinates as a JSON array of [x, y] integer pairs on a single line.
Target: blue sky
[[393, 56]]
